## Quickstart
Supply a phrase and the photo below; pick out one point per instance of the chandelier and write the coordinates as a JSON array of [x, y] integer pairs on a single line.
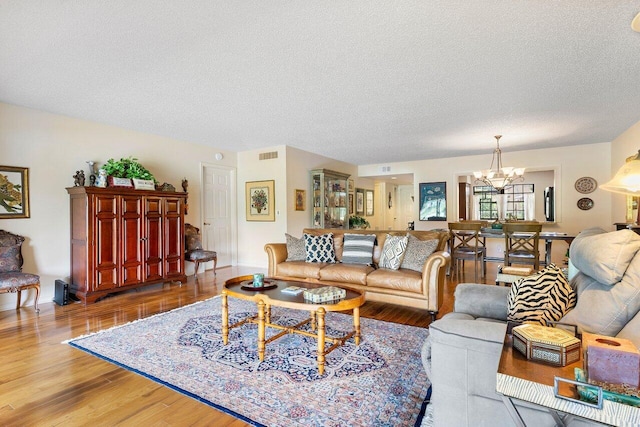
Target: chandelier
[[501, 176]]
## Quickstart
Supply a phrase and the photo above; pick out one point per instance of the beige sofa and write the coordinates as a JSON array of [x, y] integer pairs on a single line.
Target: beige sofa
[[403, 286]]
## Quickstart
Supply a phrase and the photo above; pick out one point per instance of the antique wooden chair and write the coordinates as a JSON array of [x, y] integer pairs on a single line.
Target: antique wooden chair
[[194, 251], [12, 279], [467, 244], [521, 243]]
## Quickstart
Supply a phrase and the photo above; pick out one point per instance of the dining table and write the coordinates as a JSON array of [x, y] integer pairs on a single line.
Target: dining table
[[548, 236]]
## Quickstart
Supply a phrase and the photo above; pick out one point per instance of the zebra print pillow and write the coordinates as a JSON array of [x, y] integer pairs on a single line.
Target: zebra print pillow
[[542, 298]]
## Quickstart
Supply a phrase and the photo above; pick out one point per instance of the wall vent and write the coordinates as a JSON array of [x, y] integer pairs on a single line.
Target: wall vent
[[386, 169], [269, 155]]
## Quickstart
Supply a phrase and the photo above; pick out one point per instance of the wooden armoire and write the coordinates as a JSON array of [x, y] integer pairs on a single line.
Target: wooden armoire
[[124, 238]]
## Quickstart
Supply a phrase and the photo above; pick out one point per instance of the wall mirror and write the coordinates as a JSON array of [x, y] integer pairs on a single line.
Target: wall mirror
[[534, 198]]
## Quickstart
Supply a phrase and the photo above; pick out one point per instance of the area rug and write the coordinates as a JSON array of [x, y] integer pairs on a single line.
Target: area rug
[[381, 382]]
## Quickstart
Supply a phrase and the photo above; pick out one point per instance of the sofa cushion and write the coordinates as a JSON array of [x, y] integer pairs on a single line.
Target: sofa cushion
[[403, 280], [10, 259], [358, 248], [346, 273], [417, 252], [300, 269], [319, 248], [541, 298], [604, 256], [295, 248], [393, 252]]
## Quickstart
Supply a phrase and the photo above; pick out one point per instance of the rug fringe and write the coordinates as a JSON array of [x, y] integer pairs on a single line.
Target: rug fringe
[[136, 321]]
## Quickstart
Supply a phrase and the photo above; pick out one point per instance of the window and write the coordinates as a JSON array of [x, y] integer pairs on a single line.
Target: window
[[517, 202]]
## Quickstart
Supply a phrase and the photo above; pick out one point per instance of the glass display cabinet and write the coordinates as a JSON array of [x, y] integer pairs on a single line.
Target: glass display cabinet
[[330, 198]]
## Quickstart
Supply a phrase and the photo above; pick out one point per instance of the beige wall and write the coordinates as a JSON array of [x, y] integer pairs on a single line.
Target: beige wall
[[53, 147]]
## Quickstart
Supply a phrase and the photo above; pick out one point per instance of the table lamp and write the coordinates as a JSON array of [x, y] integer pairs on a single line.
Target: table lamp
[[627, 180]]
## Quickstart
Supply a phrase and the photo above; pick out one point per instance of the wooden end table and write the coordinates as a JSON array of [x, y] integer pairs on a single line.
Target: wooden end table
[[533, 382], [265, 299]]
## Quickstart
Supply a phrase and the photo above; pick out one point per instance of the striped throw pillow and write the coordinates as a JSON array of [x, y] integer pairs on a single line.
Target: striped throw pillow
[[358, 248], [541, 298], [393, 251]]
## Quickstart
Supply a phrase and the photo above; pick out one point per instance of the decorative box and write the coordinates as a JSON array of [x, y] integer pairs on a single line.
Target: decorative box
[[544, 344], [611, 360], [324, 294]]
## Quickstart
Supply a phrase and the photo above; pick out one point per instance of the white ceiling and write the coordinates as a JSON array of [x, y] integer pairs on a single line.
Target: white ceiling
[[360, 81]]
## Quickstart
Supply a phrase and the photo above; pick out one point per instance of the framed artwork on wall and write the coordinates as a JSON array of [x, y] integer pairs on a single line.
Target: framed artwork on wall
[[14, 192], [300, 197], [351, 204], [260, 200], [369, 202], [359, 201], [433, 201]]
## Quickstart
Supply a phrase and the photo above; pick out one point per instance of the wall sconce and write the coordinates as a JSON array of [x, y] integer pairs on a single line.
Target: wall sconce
[[389, 199]]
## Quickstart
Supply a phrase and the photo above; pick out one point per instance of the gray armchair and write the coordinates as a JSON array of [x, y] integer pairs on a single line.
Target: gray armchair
[[12, 279], [462, 352]]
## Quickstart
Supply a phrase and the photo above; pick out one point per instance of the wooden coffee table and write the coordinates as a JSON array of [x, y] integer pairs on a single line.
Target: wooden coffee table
[[265, 299]]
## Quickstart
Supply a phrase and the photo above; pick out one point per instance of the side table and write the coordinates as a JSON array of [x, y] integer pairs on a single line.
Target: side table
[[533, 382]]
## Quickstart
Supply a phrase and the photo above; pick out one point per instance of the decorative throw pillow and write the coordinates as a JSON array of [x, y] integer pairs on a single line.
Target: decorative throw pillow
[[393, 252], [192, 238], [417, 252], [10, 259], [319, 248], [358, 248], [543, 298], [295, 248]]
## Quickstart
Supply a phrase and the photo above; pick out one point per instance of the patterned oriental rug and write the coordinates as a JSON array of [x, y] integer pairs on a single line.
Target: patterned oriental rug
[[381, 382]]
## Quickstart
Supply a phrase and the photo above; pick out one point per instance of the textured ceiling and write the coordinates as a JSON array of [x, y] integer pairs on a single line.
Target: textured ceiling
[[360, 81]]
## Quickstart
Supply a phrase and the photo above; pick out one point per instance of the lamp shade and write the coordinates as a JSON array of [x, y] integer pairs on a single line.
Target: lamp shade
[[627, 179]]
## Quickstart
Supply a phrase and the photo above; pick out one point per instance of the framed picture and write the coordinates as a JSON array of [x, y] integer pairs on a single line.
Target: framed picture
[[359, 201], [433, 201], [369, 202], [351, 186], [300, 197], [14, 192], [351, 204], [260, 200]]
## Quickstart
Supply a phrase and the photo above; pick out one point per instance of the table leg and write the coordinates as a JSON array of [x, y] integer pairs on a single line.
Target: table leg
[[312, 316], [261, 330], [267, 313], [356, 324], [547, 252], [321, 337], [513, 412], [225, 319]]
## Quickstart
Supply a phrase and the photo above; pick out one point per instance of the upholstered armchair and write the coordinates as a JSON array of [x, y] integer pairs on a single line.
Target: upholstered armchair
[[12, 279], [194, 251]]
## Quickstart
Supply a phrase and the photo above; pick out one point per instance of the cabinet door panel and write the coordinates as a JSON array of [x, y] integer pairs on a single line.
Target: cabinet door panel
[[153, 239], [131, 240], [174, 236], [106, 244]]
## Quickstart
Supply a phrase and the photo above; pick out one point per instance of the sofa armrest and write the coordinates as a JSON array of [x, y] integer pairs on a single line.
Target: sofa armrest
[[484, 301], [276, 253], [433, 277]]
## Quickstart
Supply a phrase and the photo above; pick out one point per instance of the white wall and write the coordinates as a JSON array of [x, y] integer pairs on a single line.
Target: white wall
[[54, 147]]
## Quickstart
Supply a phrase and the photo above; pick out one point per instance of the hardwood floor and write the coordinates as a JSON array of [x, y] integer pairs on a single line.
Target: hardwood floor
[[46, 383]]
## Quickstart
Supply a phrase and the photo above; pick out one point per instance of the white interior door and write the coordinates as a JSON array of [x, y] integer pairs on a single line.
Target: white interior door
[[406, 205], [219, 216]]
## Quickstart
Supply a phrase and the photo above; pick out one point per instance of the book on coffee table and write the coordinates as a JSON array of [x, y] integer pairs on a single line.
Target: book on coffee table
[[293, 290], [324, 294]]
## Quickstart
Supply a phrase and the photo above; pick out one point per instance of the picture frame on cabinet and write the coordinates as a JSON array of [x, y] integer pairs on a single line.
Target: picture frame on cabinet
[[351, 186], [14, 192], [300, 196], [369, 202], [359, 201], [260, 200], [351, 203]]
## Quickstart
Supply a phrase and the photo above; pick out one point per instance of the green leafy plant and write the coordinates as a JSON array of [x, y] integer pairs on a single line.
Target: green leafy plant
[[356, 221], [127, 168]]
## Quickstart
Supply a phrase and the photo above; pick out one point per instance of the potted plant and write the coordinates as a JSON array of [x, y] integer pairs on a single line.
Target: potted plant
[[358, 222], [127, 168]]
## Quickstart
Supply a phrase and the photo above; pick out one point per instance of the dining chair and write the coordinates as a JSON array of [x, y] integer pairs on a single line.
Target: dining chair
[[521, 243], [466, 244]]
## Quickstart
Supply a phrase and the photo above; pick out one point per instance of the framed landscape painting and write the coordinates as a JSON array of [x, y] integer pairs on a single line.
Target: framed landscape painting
[[14, 192], [260, 200], [433, 201]]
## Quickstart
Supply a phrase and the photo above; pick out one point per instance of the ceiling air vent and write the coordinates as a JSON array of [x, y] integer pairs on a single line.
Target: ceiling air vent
[[269, 155]]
